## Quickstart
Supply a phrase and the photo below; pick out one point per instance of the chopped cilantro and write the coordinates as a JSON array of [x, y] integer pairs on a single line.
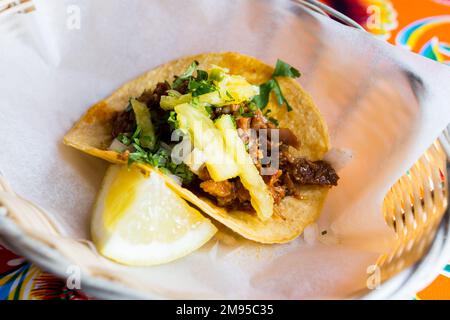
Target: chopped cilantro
[[186, 74], [139, 155], [136, 157], [172, 120], [160, 158], [199, 87], [282, 69], [280, 97], [182, 171], [229, 96], [262, 99], [136, 133], [274, 121], [124, 139], [210, 110], [138, 147], [202, 75]]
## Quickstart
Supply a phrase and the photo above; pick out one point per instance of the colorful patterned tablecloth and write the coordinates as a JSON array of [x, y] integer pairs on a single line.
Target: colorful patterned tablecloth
[[422, 26]]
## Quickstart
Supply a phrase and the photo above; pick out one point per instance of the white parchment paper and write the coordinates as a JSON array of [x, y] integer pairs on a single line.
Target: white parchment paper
[[383, 103]]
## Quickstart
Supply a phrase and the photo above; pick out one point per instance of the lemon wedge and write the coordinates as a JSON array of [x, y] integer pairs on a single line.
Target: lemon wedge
[[139, 221]]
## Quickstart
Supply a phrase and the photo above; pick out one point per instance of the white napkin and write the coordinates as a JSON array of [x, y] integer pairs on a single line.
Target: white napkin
[[383, 103]]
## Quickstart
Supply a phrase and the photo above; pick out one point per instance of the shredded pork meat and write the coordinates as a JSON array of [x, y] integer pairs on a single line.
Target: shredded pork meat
[[292, 171]]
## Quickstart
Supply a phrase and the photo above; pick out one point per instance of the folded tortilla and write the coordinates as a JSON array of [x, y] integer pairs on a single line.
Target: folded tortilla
[[92, 134]]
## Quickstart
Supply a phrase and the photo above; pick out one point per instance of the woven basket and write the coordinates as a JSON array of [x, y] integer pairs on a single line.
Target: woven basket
[[413, 208]]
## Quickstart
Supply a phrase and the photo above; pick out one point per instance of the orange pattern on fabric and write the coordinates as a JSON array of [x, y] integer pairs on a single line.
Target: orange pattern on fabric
[[438, 290]]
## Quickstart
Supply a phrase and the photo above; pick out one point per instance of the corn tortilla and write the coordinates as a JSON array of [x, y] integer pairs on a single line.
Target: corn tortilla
[[92, 135]]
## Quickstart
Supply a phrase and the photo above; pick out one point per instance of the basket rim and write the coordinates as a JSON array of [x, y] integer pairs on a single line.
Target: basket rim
[[412, 279], [409, 281], [422, 273], [51, 260]]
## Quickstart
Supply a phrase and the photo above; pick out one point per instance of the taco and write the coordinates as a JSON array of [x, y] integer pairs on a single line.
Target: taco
[[216, 112]]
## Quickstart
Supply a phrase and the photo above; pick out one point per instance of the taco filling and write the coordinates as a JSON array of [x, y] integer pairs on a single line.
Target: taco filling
[[214, 134]]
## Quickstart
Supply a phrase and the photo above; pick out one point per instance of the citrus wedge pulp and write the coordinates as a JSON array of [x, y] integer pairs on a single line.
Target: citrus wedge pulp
[[139, 221]]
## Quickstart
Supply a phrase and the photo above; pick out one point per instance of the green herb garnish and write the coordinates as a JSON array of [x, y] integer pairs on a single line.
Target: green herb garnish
[[262, 99], [274, 121], [202, 75], [186, 75], [280, 97], [199, 87], [139, 154], [282, 69], [182, 171], [229, 96], [124, 139], [136, 133], [172, 120], [209, 110], [159, 158]]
